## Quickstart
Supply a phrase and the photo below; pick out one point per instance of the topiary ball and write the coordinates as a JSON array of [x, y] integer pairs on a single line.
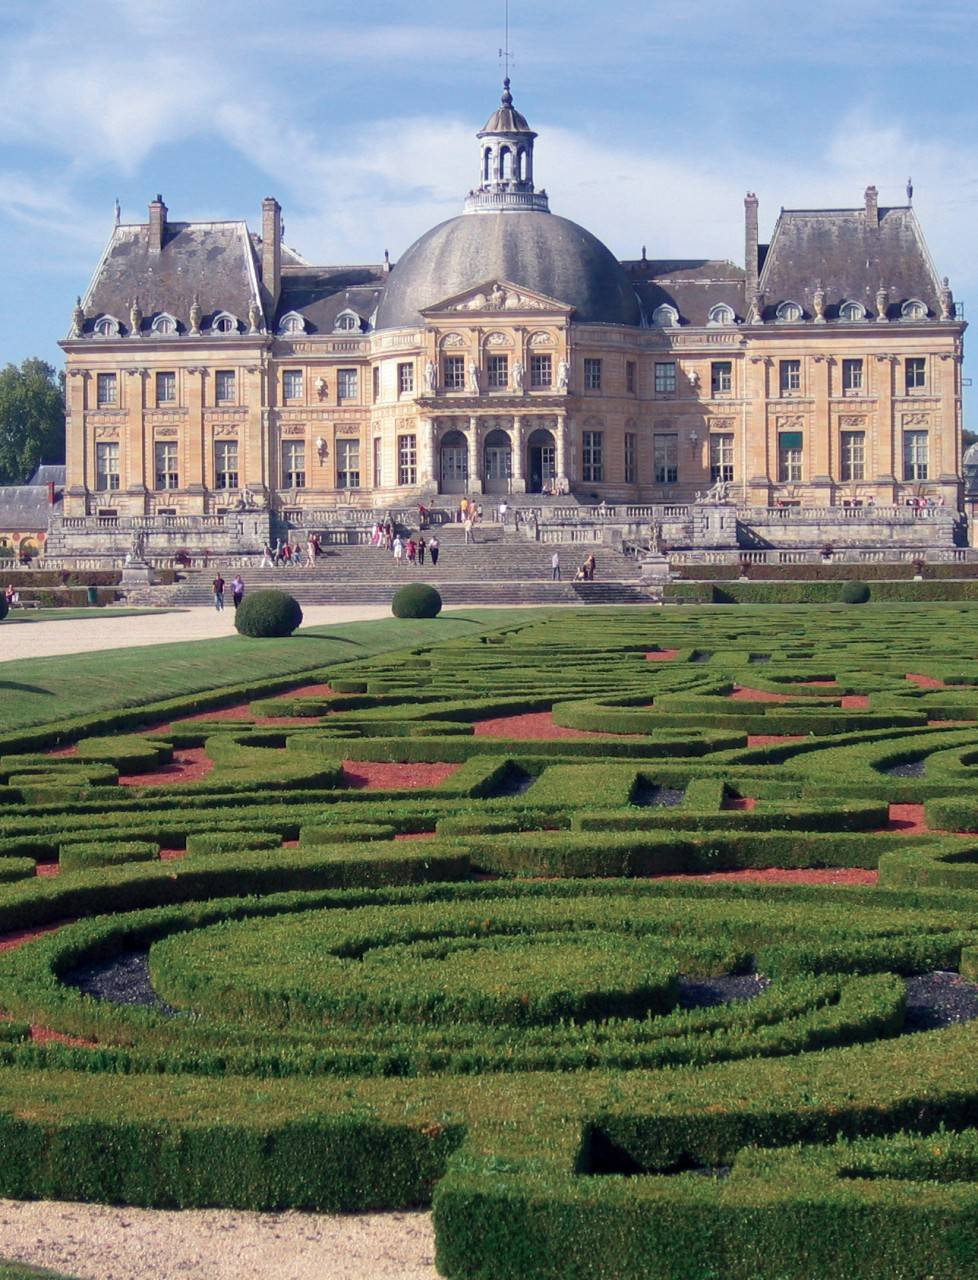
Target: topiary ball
[[416, 600], [268, 613], [854, 593]]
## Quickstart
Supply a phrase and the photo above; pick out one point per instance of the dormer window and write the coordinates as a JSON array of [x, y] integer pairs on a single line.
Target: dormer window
[[164, 326], [107, 327], [291, 323], [347, 322], [789, 312], [665, 317], [225, 322], [914, 309], [852, 311], [721, 314]]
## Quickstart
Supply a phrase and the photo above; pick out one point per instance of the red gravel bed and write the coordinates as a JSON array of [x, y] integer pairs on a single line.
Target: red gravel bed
[[415, 835], [908, 820], [11, 941], [741, 693], [662, 655], [44, 1035], [786, 875], [188, 765], [537, 726], [817, 684], [742, 803], [48, 869], [854, 702], [950, 724], [770, 739], [926, 682], [172, 855], [379, 775], [62, 753]]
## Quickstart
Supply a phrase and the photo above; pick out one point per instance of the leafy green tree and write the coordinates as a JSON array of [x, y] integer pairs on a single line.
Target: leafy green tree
[[32, 419]]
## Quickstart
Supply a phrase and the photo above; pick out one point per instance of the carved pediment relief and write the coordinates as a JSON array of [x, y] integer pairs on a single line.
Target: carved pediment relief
[[498, 295], [852, 420], [915, 419], [793, 423], [720, 424]]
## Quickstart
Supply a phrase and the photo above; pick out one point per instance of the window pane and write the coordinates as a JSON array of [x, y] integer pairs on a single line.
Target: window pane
[[790, 453], [166, 388], [294, 464], [225, 385], [721, 377], [375, 382], [790, 376], [666, 458], [292, 384], [107, 389], [916, 373], [454, 373], [853, 455], [377, 462], [541, 371], [497, 370], [348, 383], [721, 458], [407, 458], [165, 456], [405, 378], [852, 375], [593, 460], [348, 464], [915, 455], [665, 378], [106, 466], [631, 457], [592, 375], [630, 376]]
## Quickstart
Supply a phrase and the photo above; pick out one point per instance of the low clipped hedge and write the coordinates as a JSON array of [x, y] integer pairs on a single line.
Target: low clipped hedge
[[105, 853], [267, 614], [416, 600]]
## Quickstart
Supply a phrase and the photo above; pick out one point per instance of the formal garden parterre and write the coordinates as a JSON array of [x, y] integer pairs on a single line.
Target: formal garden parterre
[[615, 935]]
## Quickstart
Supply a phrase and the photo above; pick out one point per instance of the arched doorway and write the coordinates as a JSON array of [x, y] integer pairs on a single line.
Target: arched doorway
[[453, 463], [498, 462], [541, 459]]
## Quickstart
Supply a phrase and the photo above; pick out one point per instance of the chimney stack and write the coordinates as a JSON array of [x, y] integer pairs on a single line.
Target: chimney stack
[[157, 224], [750, 243], [271, 249], [872, 207]]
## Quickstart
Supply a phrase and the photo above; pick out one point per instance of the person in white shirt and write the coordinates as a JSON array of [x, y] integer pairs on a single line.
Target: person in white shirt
[[555, 567]]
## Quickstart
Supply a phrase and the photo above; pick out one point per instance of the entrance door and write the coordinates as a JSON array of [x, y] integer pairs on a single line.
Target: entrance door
[[542, 458], [454, 464], [499, 462]]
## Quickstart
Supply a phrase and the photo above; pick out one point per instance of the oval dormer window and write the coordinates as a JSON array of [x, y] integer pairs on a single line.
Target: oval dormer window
[[225, 322], [914, 309], [852, 311], [789, 312], [292, 323], [107, 327], [721, 314], [347, 321], [665, 317], [164, 326]]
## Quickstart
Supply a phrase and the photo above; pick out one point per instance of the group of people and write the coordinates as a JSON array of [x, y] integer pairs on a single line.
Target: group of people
[[287, 553], [585, 572], [237, 591], [414, 550]]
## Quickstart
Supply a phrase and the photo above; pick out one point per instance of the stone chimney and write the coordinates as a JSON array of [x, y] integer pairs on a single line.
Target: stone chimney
[[750, 243], [271, 249], [157, 224], [872, 207]]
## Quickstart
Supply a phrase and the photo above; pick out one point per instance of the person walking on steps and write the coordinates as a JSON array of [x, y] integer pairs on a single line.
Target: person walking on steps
[[398, 550], [433, 549], [590, 564], [422, 546], [218, 585], [237, 590], [555, 567]]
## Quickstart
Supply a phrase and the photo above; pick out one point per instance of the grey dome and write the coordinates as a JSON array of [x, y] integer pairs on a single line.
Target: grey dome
[[535, 250]]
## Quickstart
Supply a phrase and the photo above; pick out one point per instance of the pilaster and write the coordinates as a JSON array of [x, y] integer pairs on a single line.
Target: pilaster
[[475, 456], [886, 454], [135, 445], [518, 480], [195, 460]]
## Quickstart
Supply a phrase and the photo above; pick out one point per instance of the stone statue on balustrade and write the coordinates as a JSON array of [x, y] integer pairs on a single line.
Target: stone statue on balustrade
[[430, 376], [563, 374]]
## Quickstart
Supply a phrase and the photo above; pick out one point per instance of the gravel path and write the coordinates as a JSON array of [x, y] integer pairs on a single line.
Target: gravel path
[[96, 1242]]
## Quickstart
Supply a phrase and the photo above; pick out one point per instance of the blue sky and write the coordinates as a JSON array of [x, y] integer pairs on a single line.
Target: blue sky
[[654, 120]]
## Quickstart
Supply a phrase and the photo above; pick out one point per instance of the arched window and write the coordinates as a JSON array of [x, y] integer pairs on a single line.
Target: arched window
[[665, 317], [520, 160], [487, 164], [914, 309], [292, 322], [107, 327], [505, 163], [224, 322], [852, 311], [721, 314], [788, 312], [164, 325], [347, 321]]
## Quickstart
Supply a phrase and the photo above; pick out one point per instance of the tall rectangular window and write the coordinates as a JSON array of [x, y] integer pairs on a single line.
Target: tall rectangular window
[[665, 378], [378, 468], [853, 455], [665, 456], [852, 377], [166, 388], [497, 371], [790, 380], [407, 459], [106, 465], [348, 384], [348, 464], [165, 459], [722, 458], [226, 464], [292, 384], [592, 374], [631, 457], [915, 374], [630, 377], [375, 382], [224, 386], [294, 464], [915, 455], [541, 371], [721, 377], [405, 379], [593, 456], [454, 373], [107, 391], [790, 453]]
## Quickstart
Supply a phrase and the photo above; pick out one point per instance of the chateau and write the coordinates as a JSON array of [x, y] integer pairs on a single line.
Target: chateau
[[212, 369]]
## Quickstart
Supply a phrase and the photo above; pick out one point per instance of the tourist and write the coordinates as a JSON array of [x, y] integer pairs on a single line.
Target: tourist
[[311, 551], [581, 575], [555, 567], [237, 590], [218, 585], [389, 536], [267, 557], [297, 554], [467, 527], [463, 510], [503, 508], [286, 554], [421, 549], [398, 549], [433, 549], [11, 595], [412, 551], [590, 564], [422, 516], [377, 536]]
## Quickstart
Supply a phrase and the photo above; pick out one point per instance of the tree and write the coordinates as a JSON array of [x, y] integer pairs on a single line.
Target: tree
[[968, 438], [32, 419]]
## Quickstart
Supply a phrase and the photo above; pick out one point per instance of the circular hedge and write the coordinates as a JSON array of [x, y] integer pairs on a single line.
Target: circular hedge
[[268, 613], [854, 593], [416, 600]]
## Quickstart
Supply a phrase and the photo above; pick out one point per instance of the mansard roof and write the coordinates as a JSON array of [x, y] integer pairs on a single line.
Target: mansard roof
[[213, 260], [320, 294], [691, 285], [25, 507], [852, 254], [49, 473]]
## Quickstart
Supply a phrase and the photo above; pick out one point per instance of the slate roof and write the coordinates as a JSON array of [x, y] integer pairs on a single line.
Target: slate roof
[[691, 285], [25, 507], [214, 260], [49, 473], [320, 294], [852, 256]]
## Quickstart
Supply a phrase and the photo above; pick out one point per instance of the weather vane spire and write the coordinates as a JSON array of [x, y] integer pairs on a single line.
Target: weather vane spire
[[505, 54]]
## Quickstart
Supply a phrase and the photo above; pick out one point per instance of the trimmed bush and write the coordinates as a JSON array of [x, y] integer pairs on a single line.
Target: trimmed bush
[[268, 613], [854, 593], [416, 600], [4, 608], [106, 853]]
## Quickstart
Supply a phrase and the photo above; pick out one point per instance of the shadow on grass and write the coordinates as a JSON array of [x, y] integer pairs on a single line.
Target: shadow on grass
[[24, 688]]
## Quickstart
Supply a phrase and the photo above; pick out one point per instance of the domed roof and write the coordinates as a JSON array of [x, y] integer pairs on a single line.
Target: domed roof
[[506, 119], [536, 250]]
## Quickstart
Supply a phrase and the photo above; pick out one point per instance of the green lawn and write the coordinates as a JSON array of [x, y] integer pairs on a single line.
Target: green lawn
[[41, 690], [74, 615], [17, 1271]]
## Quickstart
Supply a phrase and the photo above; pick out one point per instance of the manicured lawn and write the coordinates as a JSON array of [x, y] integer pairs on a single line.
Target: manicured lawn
[[77, 615]]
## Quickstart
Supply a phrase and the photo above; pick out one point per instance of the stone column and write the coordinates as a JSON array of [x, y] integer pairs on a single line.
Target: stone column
[[475, 456], [76, 446], [426, 453], [518, 482], [563, 450]]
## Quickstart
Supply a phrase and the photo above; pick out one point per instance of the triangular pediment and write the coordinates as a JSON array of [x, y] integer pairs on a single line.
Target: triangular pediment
[[498, 296]]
